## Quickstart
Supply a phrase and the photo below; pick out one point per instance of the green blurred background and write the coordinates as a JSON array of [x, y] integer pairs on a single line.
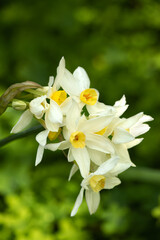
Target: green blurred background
[[117, 42]]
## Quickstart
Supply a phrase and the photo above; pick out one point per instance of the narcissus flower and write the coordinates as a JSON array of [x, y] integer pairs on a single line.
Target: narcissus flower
[[78, 87], [80, 135], [102, 178], [41, 138], [96, 136], [39, 106]]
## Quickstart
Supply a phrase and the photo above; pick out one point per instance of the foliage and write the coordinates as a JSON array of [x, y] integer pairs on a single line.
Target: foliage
[[117, 42]]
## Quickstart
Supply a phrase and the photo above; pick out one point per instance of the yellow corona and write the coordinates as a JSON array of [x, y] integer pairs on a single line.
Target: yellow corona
[[89, 96], [59, 96], [97, 182], [78, 139]]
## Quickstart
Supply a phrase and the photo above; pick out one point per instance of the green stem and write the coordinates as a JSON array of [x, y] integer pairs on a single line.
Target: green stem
[[22, 134]]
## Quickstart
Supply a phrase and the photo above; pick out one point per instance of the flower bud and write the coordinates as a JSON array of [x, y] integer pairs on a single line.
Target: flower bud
[[19, 105]]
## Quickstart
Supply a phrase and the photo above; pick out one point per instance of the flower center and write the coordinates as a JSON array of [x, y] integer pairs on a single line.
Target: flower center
[[59, 96], [101, 132], [53, 135], [97, 182], [78, 139], [89, 96]]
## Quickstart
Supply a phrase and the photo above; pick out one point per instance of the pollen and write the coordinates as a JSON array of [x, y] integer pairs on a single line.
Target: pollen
[[53, 135], [59, 96], [101, 132], [78, 139], [97, 182], [89, 96]]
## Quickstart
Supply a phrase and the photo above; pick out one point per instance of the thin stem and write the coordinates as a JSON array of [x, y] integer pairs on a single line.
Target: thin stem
[[22, 134]]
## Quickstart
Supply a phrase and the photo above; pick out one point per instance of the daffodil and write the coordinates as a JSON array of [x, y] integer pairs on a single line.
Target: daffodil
[[80, 135], [77, 85], [41, 138], [125, 130], [95, 135], [101, 179], [53, 110]]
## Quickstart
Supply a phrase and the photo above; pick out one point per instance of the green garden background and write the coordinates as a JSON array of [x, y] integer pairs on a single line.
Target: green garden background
[[118, 43]]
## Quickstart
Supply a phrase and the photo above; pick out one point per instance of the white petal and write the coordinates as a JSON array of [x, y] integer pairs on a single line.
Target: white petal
[[64, 145], [70, 84], [121, 102], [82, 77], [73, 116], [100, 109], [129, 122], [51, 80], [111, 182], [96, 156], [100, 143], [121, 136], [39, 155], [23, 121], [110, 128], [54, 113], [66, 133], [73, 171], [41, 137], [61, 146], [66, 105], [139, 130], [50, 83], [120, 167], [95, 124], [36, 106], [134, 142], [122, 152], [53, 127], [93, 200], [77, 203], [107, 166], [60, 74], [120, 110], [82, 159], [70, 156], [146, 118]]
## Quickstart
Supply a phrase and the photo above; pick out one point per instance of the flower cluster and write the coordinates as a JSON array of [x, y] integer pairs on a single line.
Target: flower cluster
[[96, 136]]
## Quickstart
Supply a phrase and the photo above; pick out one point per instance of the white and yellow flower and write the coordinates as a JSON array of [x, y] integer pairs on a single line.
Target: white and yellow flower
[[53, 110], [102, 178], [41, 138], [80, 135], [126, 130], [77, 85]]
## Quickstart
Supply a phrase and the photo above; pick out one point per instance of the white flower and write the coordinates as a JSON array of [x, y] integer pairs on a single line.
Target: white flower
[[80, 135], [78, 87], [102, 178], [53, 111], [41, 138], [125, 130]]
